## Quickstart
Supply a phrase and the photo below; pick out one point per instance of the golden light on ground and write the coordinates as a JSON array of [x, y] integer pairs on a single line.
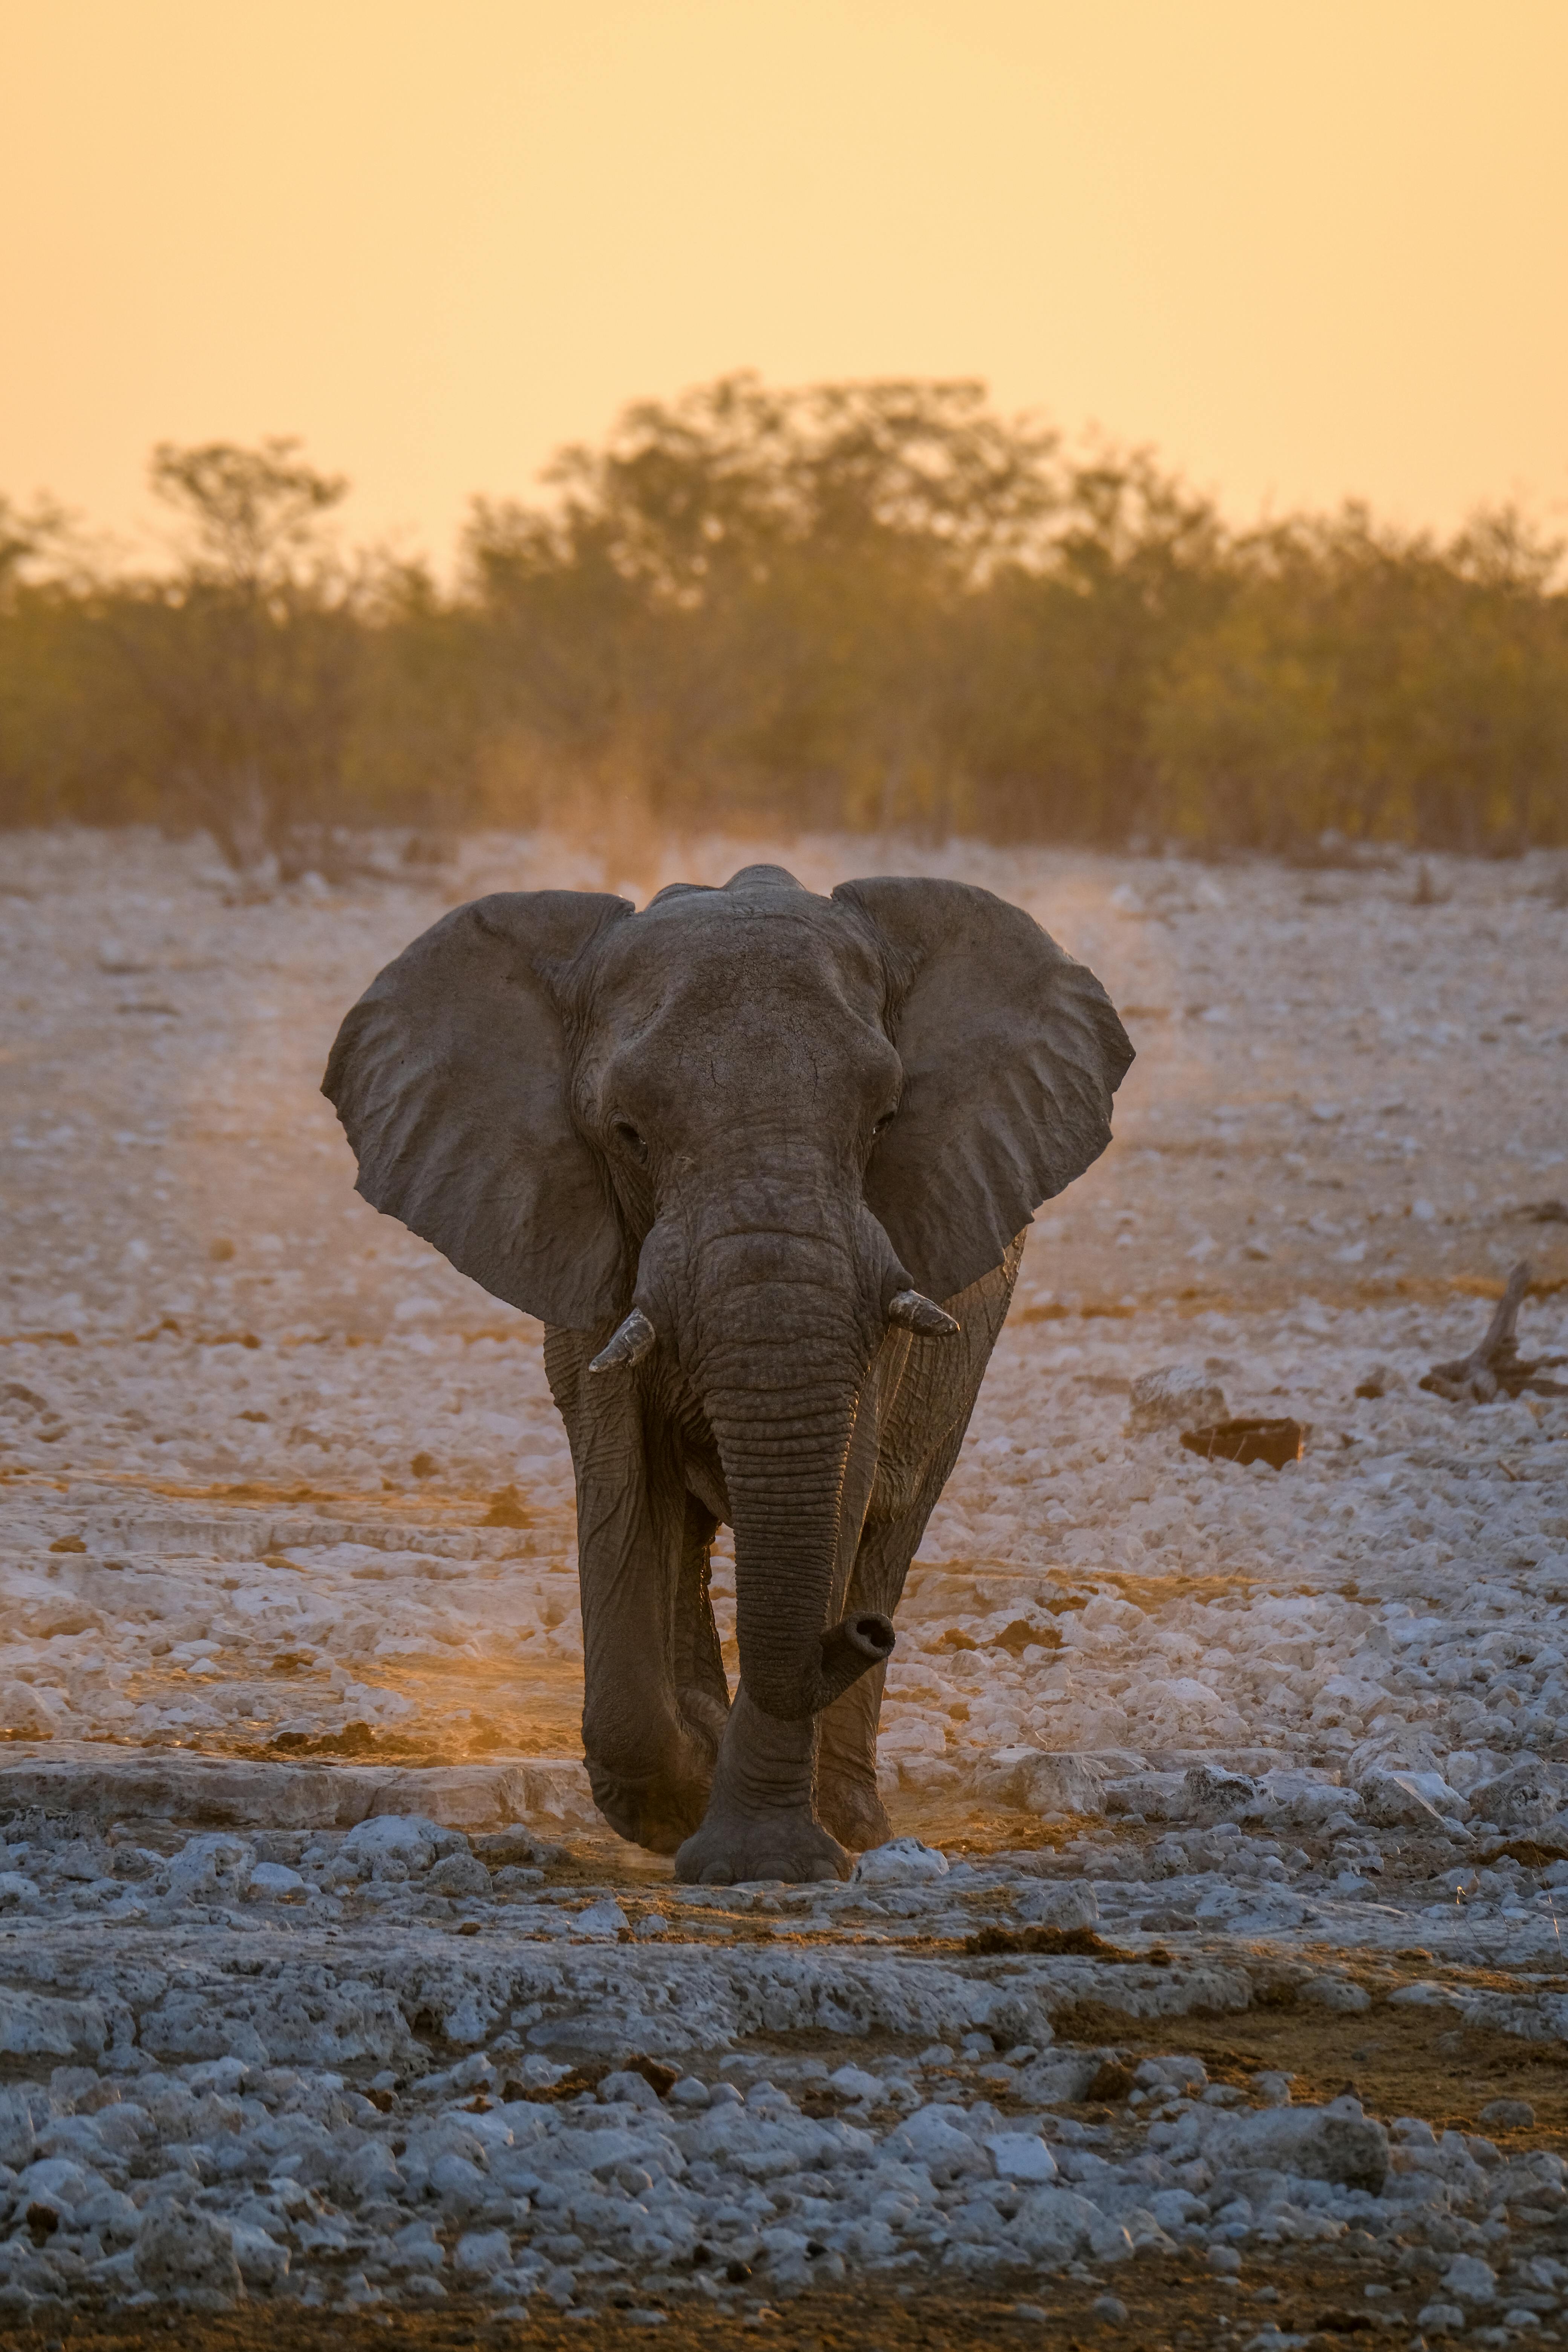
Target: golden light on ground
[[1306, 251]]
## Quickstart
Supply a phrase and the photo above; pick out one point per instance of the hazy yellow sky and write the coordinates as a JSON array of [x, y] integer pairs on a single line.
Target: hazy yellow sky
[[1305, 247]]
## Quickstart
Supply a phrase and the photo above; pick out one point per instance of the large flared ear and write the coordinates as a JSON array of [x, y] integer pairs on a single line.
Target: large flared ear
[[1012, 1051], [450, 1078]]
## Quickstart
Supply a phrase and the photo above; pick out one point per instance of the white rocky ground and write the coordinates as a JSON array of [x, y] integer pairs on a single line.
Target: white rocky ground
[[279, 1488]]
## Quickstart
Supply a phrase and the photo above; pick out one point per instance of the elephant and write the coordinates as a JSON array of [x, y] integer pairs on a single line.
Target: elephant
[[763, 1162]]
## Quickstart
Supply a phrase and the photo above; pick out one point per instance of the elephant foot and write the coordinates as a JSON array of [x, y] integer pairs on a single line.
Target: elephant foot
[[761, 1822], [657, 1813], [732, 1846], [852, 1810]]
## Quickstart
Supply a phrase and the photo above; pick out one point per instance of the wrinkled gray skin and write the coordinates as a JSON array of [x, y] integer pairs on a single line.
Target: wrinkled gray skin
[[758, 1118]]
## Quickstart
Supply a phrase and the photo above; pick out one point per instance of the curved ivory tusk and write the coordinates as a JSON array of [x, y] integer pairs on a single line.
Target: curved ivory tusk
[[636, 1338], [917, 1313]]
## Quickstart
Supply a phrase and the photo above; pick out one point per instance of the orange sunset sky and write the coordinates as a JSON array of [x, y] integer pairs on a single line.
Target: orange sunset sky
[[1305, 247]]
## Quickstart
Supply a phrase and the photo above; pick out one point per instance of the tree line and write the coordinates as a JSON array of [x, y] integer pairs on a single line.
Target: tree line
[[876, 607]]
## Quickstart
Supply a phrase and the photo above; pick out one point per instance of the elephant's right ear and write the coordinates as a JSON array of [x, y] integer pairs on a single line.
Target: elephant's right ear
[[450, 1079]]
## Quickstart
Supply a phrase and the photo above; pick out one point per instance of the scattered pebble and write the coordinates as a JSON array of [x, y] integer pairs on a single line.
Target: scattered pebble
[[294, 2000]]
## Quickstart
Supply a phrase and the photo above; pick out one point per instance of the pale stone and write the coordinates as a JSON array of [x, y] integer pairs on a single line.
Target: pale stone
[[1022, 2157], [901, 1862]]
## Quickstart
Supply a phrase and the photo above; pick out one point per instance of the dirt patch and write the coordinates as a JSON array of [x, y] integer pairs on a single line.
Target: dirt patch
[[1397, 2062], [1158, 2301]]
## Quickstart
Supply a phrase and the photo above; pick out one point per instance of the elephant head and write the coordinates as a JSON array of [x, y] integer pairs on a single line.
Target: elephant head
[[732, 1137]]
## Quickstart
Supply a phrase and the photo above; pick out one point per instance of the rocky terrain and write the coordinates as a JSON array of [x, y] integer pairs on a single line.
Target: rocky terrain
[[1215, 1989]]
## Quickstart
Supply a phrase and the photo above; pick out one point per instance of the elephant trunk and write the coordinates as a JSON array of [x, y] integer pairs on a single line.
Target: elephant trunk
[[783, 1391]]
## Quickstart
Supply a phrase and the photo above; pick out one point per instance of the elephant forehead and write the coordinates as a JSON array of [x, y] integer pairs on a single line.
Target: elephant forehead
[[743, 1021], [715, 959]]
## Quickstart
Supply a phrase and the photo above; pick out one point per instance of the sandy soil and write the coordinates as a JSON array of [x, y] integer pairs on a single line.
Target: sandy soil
[[278, 1487], [1345, 1111]]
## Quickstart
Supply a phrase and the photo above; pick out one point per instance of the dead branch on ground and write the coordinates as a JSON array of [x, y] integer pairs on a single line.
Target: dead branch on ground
[[1495, 1367]]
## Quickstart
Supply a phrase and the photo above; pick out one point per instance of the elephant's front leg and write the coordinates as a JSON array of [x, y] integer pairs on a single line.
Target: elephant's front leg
[[649, 1762], [847, 1792], [846, 1789], [929, 1392], [761, 1820], [649, 1766]]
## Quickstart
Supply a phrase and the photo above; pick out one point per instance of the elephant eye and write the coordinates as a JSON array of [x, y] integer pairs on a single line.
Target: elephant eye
[[885, 1120], [628, 1139]]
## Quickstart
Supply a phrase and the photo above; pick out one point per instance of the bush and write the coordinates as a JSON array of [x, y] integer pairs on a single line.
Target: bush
[[871, 606]]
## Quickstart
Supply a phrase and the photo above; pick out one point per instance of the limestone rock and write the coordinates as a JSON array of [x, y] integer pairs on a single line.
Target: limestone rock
[[1060, 2079], [263, 2262], [1203, 1792], [1214, 1794], [1396, 1801], [937, 2138], [34, 2026], [1182, 1395], [1055, 2226], [1052, 1904], [1036, 1780], [221, 1792], [480, 2254], [461, 1875], [189, 2257], [1336, 1994], [1524, 1797], [1304, 1800], [18, 2133], [274, 1881], [1065, 1783], [1335, 2143], [903, 1862], [1022, 2157], [389, 1843], [215, 1868], [1470, 2279]]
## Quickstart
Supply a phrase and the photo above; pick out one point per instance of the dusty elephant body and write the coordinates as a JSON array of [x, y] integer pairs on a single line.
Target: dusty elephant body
[[733, 1150]]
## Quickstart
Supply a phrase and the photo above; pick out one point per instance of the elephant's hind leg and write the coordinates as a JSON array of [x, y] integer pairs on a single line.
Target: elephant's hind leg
[[701, 1685]]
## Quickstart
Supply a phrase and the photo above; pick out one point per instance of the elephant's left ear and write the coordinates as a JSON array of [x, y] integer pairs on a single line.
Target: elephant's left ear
[[451, 1079], [1012, 1051]]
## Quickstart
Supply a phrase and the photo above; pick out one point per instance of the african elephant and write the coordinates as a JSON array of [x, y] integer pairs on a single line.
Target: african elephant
[[731, 1150]]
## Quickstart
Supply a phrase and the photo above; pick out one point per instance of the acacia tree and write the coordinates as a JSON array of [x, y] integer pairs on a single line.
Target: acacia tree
[[73, 733], [1064, 650], [743, 597], [1375, 683], [249, 648], [877, 606]]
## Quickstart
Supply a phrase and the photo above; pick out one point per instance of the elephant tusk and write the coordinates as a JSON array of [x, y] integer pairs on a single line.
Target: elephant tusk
[[915, 1312], [636, 1338]]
